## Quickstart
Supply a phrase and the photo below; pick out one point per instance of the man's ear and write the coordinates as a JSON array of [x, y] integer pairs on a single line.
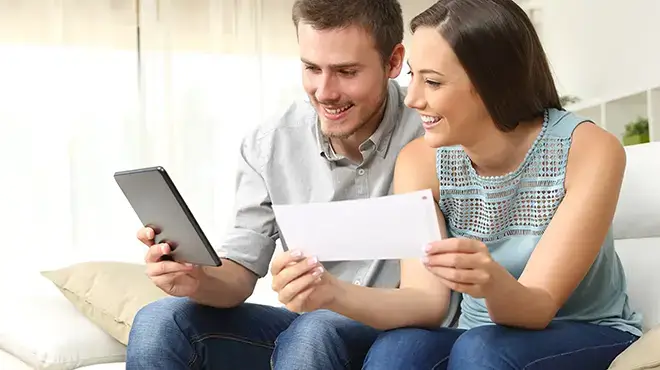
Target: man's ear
[[395, 62]]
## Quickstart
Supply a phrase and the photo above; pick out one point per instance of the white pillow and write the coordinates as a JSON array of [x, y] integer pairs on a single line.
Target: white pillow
[[42, 328]]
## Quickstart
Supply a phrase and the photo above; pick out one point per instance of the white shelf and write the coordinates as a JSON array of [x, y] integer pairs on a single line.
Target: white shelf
[[614, 113]]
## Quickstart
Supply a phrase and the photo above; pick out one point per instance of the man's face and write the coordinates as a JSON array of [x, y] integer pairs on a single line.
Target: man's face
[[344, 76]]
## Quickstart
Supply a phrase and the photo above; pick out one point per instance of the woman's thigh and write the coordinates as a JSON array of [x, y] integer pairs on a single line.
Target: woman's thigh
[[562, 345], [411, 349]]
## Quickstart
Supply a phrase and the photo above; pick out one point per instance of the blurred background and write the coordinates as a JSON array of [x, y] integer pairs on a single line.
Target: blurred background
[[90, 87]]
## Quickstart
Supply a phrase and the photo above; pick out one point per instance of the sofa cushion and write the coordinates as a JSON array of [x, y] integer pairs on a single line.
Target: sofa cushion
[[638, 210], [44, 330], [108, 293], [639, 258], [644, 354]]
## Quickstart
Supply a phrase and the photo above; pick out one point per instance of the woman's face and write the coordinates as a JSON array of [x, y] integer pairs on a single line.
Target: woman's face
[[440, 90]]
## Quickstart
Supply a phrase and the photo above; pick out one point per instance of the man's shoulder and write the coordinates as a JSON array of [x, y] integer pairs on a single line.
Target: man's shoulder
[[292, 123]]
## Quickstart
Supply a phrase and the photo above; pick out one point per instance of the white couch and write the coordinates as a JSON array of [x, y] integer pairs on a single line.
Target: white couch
[[45, 331]]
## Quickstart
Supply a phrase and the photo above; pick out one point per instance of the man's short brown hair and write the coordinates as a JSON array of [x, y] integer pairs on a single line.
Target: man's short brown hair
[[383, 19]]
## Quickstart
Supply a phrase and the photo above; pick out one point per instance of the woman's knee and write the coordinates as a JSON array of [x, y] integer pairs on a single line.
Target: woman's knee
[[479, 346]]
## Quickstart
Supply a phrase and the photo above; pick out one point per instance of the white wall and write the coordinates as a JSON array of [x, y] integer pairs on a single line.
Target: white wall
[[602, 48]]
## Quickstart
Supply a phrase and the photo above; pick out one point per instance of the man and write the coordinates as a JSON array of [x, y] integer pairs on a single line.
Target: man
[[342, 144]]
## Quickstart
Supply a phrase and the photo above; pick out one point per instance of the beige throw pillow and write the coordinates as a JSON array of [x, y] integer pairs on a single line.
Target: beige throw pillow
[[107, 293], [644, 354]]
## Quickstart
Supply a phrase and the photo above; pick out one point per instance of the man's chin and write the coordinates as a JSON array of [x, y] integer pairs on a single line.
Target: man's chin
[[337, 134], [337, 130]]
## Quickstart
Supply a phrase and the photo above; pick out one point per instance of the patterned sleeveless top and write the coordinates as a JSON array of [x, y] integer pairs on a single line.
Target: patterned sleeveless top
[[509, 213]]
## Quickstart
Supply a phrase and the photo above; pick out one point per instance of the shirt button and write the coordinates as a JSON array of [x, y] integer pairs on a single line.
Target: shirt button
[[361, 171]]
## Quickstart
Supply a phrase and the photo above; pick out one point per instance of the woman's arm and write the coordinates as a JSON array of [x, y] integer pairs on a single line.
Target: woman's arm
[[421, 300], [572, 241]]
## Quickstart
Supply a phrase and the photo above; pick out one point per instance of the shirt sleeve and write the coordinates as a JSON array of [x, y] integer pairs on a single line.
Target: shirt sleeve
[[251, 240]]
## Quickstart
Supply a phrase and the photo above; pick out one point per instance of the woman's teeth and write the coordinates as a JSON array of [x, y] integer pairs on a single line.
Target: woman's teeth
[[430, 119]]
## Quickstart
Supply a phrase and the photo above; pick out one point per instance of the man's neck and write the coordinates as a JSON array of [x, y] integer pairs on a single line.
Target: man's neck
[[349, 147]]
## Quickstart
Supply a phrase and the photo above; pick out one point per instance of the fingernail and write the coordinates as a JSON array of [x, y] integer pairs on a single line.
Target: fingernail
[[296, 253], [312, 261], [318, 271], [163, 249], [425, 260], [426, 248], [188, 264]]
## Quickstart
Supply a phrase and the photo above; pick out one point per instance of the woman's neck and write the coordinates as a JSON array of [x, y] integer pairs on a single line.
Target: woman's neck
[[497, 153]]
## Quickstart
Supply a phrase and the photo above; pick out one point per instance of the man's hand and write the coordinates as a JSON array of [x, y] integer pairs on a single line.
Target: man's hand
[[174, 278], [463, 265], [302, 283]]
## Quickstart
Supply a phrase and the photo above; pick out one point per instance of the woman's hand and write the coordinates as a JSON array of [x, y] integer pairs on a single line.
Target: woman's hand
[[302, 283], [464, 265]]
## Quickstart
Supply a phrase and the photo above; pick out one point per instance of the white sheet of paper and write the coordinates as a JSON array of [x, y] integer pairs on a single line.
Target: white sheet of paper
[[389, 227]]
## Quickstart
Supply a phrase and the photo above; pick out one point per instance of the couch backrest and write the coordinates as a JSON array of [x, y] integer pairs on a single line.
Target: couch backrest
[[637, 229]]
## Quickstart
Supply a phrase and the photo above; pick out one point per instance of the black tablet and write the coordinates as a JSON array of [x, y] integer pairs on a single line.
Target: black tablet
[[158, 204]]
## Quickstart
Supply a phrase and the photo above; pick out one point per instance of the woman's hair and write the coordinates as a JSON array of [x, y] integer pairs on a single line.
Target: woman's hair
[[499, 49]]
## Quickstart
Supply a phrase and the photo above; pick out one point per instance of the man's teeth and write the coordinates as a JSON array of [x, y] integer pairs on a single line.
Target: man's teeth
[[430, 119], [338, 110]]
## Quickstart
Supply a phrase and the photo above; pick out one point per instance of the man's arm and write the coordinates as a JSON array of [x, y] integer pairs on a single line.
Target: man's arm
[[422, 300], [226, 286], [249, 245]]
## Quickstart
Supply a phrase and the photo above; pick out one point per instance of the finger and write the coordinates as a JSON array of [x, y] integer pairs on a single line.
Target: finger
[[156, 252], [297, 286], [298, 303], [284, 260], [167, 267], [461, 276], [146, 236], [454, 260], [453, 245], [290, 273]]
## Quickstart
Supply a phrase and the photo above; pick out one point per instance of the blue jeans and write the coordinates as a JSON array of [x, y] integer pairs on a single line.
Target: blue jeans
[[175, 333]]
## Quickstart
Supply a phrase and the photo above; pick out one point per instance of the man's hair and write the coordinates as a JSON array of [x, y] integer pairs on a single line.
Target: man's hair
[[383, 19], [501, 53]]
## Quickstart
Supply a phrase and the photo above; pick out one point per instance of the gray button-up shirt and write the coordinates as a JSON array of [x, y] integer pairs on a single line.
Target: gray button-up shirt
[[290, 161]]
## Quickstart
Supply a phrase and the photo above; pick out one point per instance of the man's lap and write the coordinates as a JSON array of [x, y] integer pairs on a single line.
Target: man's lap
[[179, 327]]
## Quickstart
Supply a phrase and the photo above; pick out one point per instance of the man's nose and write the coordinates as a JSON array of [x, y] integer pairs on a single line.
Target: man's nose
[[327, 90]]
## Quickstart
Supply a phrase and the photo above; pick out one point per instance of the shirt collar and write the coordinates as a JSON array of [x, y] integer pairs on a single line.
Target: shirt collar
[[381, 138]]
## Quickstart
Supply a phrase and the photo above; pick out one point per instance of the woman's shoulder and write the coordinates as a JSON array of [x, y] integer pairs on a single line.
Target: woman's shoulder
[[415, 167], [417, 153], [594, 151]]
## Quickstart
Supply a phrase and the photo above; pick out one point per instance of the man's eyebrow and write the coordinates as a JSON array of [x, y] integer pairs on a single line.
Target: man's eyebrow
[[426, 70], [335, 66]]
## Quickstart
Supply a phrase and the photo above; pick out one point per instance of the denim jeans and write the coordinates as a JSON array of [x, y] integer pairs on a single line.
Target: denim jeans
[[175, 333]]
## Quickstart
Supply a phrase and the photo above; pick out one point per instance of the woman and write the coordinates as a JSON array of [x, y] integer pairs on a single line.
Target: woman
[[527, 192]]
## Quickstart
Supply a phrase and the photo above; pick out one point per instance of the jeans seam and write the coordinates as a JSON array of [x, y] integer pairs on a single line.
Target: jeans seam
[[192, 360], [439, 363], [232, 338], [628, 342]]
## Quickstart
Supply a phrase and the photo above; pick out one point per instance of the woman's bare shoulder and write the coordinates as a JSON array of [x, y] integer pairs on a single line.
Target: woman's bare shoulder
[[415, 168]]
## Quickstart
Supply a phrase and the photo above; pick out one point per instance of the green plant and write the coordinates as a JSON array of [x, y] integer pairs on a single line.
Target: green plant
[[568, 99], [636, 131]]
